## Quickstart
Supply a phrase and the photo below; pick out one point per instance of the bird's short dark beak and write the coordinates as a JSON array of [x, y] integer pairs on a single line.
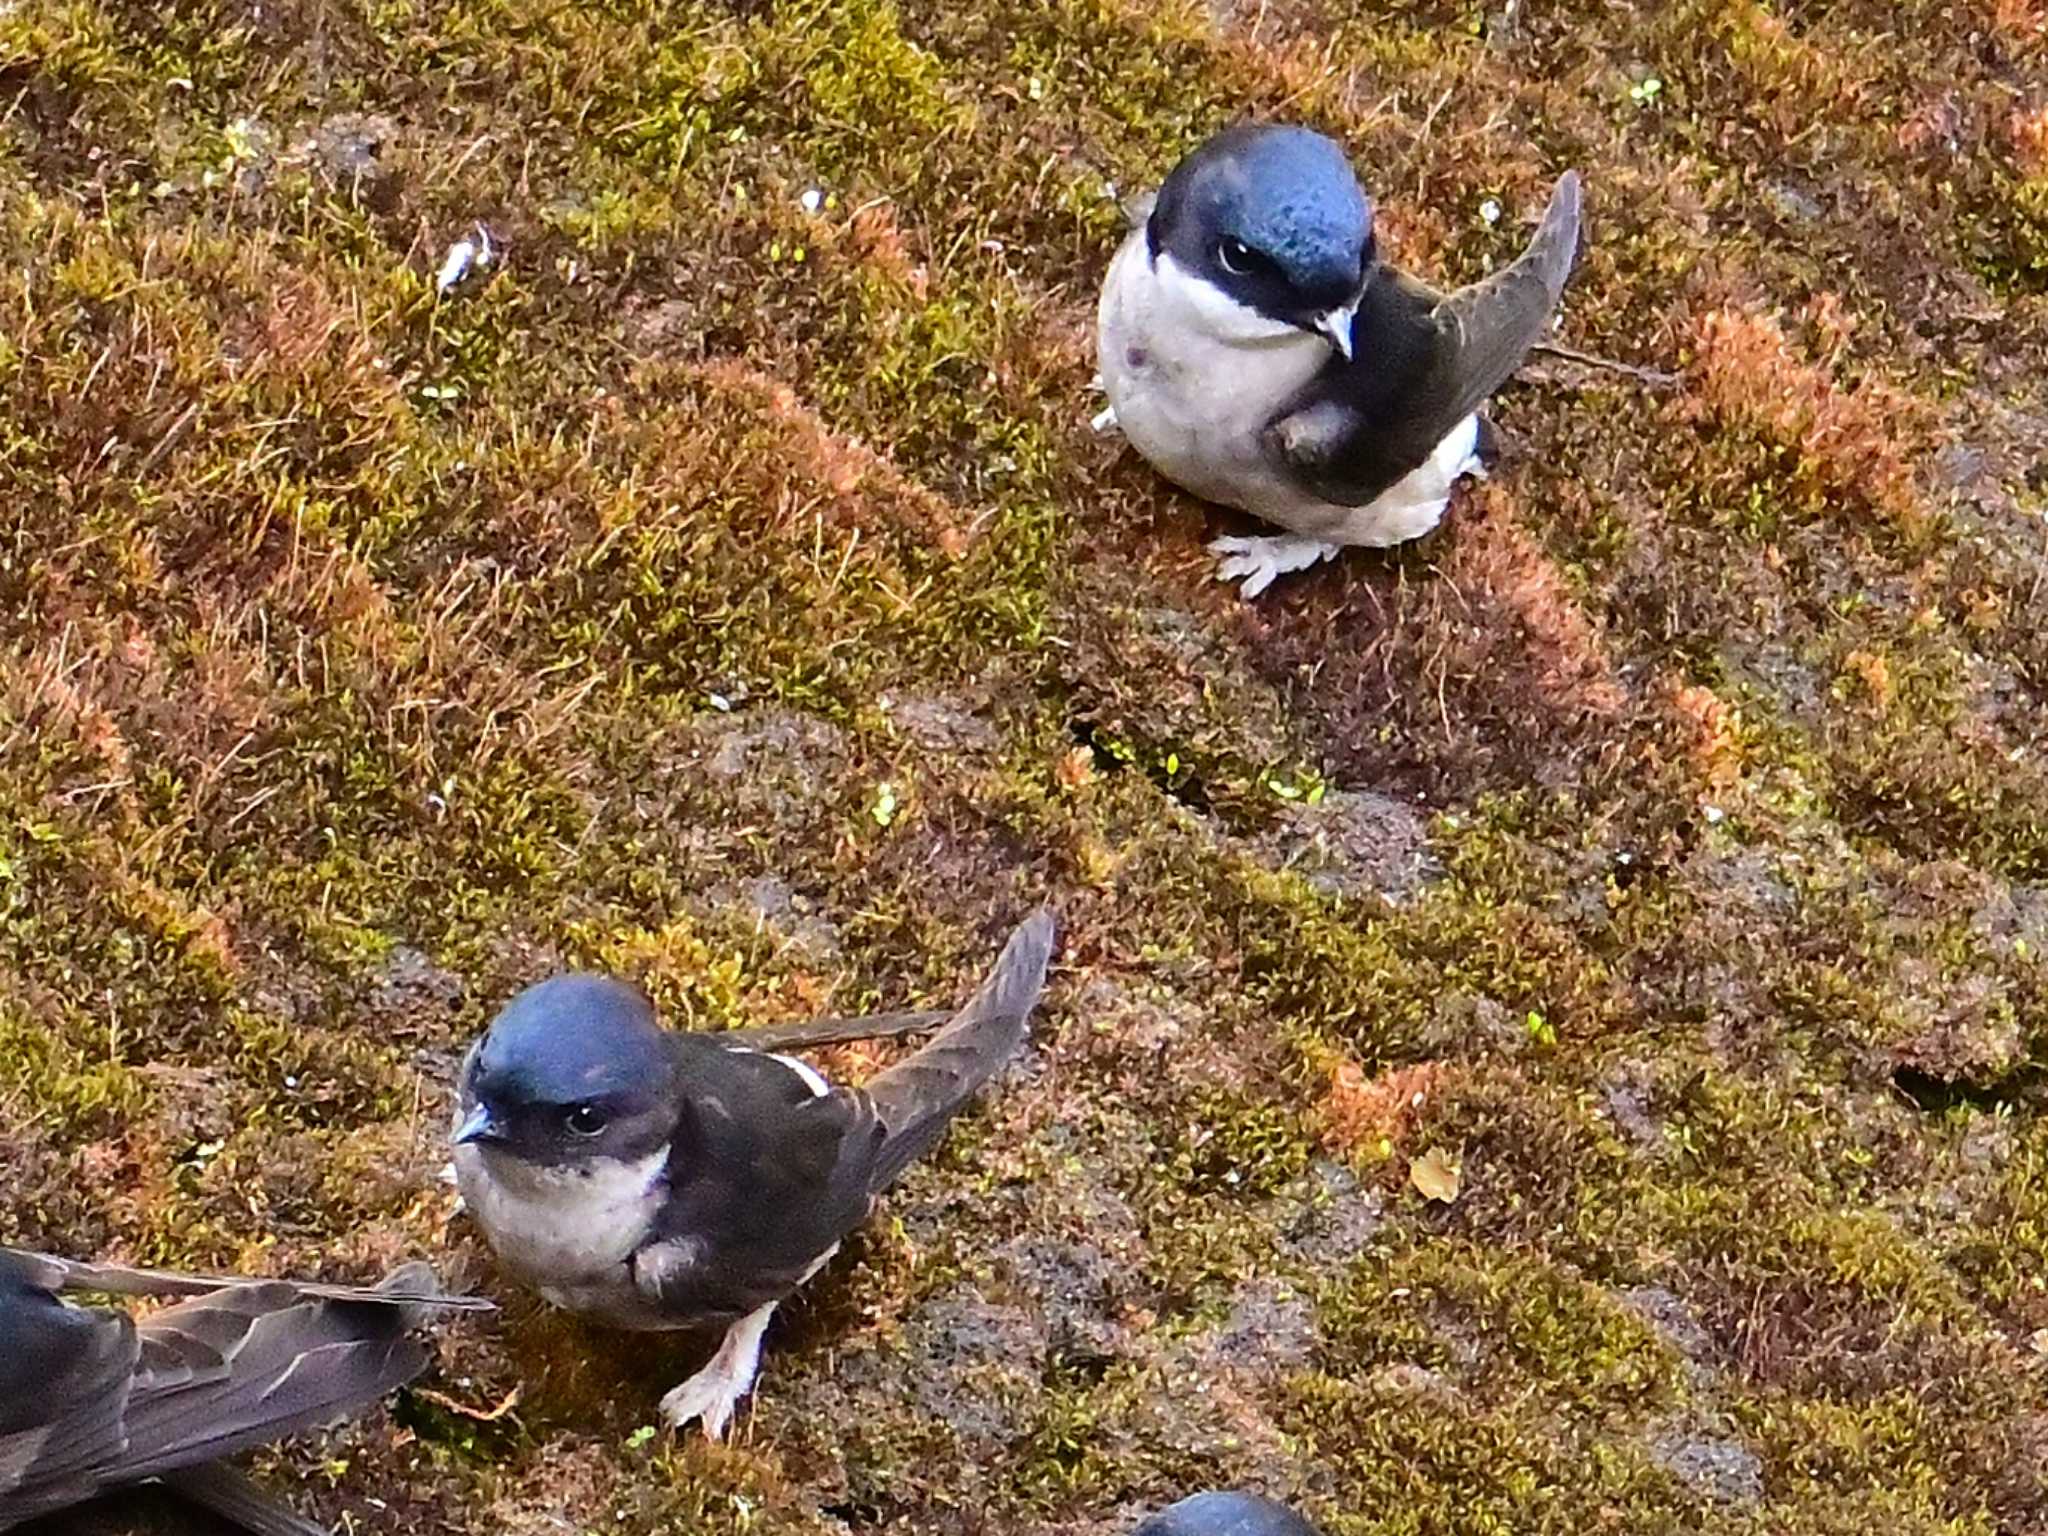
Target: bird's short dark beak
[[1334, 326], [479, 1126]]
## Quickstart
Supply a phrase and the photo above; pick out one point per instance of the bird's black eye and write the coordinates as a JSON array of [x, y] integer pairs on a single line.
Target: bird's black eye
[[1236, 257], [586, 1120]]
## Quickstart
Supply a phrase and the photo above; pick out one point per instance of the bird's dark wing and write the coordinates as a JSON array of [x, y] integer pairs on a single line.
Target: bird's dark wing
[[202, 1379], [833, 1031], [64, 1381], [766, 1174], [253, 1363], [1421, 363], [416, 1287], [915, 1098]]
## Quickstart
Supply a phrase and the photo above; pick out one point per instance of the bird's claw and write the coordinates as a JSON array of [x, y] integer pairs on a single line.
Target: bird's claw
[[1257, 561], [710, 1396]]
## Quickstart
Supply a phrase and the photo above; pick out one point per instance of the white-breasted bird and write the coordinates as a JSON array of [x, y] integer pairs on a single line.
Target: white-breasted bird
[[652, 1179], [1257, 352]]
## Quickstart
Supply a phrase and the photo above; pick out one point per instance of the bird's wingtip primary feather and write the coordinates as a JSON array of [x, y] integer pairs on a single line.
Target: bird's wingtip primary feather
[[1019, 973], [1017, 978], [416, 1290], [1566, 199], [413, 1284], [917, 1096], [1558, 236], [1033, 939]]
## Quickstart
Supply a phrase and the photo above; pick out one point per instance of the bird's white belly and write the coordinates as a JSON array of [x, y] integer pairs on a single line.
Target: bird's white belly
[[563, 1229], [1194, 380], [1415, 503]]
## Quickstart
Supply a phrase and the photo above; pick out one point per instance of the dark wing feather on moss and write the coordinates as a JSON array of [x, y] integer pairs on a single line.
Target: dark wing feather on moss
[[92, 1399], [410, 1284], [915, 1098]]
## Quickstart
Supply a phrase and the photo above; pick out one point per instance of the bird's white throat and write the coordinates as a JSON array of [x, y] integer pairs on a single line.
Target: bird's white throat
[[1194, 376], [1187, 302], [561, 1224]]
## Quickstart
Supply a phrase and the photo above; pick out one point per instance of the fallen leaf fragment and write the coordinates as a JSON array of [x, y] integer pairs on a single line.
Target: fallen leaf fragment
[[1436, 1174]]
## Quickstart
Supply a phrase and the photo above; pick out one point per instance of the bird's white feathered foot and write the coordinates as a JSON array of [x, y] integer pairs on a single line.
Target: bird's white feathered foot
[[714, 1392], [1103, 420], [1256, 561]]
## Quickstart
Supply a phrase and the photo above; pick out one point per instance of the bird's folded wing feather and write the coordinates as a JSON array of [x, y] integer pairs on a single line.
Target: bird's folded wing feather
[[251, 1364], [417, 1286], [833, 1031], [764, 1179], [915, 1098], [201, 1379], [63, 1391], [1422, 362]]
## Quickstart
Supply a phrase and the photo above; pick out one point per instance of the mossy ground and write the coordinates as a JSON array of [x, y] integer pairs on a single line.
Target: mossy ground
[[727, 591]]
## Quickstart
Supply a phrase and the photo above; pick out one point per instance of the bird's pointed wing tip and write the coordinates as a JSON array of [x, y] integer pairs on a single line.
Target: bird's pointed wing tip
[[1037, 936], [1042, 921], [1565, 202], [1552, 249], [411, 1284], [434, 1299]]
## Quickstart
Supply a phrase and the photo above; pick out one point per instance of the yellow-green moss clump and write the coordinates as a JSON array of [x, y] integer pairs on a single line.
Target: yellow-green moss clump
[[722, 587]]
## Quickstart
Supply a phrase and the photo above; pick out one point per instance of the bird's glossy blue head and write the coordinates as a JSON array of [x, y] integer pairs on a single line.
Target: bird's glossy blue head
[[1274, 217], [1226, 1514], [574, 1068]]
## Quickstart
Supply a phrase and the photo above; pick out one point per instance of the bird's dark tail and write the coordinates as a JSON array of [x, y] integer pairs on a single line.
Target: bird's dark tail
[[220, 1488], [246, 1365], [918, 1095]]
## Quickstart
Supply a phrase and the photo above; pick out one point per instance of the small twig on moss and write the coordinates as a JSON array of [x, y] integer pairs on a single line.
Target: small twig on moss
[[1655, 378], [171, 438], [482, 1415]]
